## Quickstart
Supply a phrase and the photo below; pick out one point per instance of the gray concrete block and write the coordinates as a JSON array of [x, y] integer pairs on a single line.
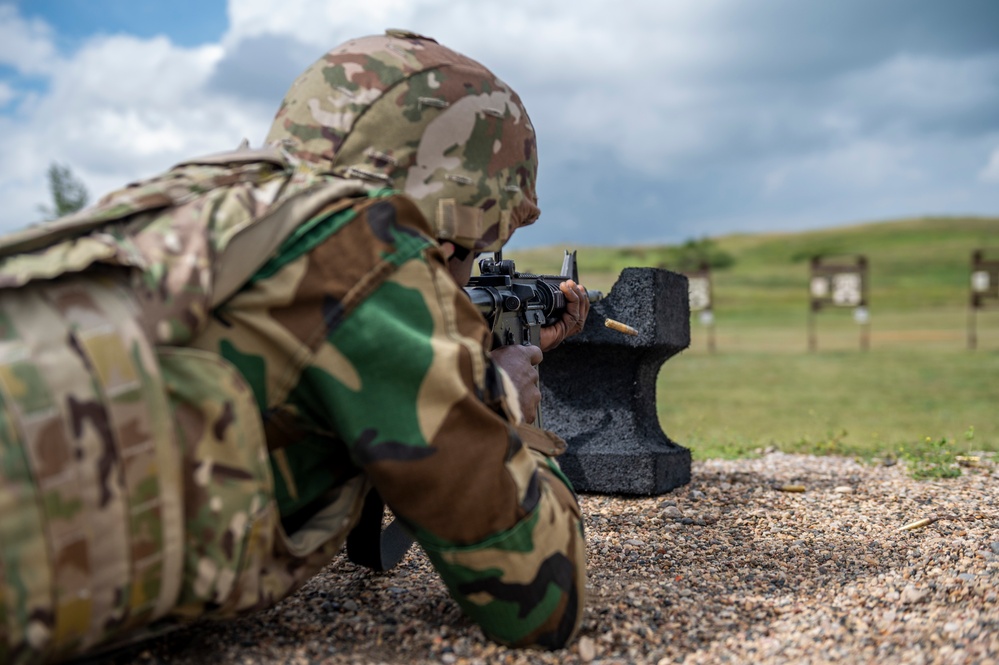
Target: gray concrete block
[[599, 388]]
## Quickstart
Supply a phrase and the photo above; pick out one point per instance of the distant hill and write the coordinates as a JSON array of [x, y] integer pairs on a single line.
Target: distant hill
[[914, 263]]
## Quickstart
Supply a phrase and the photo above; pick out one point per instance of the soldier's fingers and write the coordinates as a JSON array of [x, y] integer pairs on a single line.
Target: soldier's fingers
[[570, 289], [535, 355]]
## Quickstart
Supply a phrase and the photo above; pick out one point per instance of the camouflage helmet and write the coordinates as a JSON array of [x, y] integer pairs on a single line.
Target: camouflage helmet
[[402, 111]]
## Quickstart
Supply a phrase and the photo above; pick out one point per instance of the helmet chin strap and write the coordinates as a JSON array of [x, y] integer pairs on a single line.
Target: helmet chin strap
[[452, 250], [456, 222], [459, 261], [460, 253]]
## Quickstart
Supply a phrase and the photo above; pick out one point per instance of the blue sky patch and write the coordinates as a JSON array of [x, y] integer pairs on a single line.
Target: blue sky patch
[[20, 85], [186, 22]]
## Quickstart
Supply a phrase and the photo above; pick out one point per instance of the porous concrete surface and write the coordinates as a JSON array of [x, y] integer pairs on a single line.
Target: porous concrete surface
[[778, 559], [599, 388]]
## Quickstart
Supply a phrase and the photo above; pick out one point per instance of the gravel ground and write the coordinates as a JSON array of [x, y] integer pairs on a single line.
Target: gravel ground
[[780, 559]]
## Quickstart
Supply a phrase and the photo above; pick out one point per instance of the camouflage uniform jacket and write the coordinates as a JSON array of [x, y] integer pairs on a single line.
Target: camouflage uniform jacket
[[262, 412]]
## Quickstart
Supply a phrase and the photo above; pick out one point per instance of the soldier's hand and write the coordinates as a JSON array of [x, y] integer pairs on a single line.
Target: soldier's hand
[[521, 364], [577, 306]]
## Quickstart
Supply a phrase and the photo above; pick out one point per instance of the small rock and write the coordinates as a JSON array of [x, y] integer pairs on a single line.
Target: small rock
[[672, 512], [912, 595], [967, 577], [587, 649], [995, 547], [634, 543], [843, 489]]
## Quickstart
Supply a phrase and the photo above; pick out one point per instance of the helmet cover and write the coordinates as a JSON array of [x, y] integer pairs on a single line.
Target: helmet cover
[[402, 111]]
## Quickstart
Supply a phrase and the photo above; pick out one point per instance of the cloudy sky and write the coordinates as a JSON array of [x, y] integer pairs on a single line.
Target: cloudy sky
[[658, 120]]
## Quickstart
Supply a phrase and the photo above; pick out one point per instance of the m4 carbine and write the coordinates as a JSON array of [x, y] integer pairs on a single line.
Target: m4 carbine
[[517, 305]]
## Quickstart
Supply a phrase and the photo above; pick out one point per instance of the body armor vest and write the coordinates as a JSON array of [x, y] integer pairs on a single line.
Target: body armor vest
[[135, 486]]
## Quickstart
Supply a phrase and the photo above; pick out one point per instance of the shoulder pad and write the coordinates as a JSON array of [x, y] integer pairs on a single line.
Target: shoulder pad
[[239, 156]]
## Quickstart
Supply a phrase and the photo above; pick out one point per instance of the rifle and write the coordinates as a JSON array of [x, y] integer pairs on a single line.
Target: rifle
[[517, 305]]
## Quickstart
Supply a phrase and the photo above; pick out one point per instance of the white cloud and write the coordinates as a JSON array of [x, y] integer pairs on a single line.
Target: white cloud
[[123, 69], [545, 41], [7, 94], [991, 171], [123, 103], [711, 101], [912, 94], [25, 45], [121, 108], [325, 24], [855, 166]]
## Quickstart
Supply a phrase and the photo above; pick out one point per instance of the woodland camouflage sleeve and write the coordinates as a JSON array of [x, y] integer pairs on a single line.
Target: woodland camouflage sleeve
[[424, 413]]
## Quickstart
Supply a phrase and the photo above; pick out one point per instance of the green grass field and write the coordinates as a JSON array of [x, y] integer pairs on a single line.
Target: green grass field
[[915, 386], [843, 402]]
